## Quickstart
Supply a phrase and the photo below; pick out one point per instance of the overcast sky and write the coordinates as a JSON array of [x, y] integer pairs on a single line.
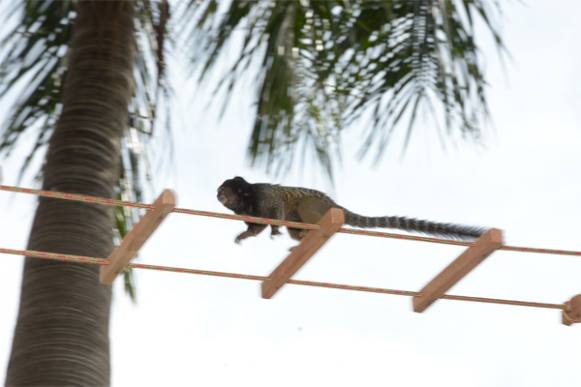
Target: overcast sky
[[194, 330]]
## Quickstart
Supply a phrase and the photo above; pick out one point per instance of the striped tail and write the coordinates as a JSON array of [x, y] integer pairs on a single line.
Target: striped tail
[[448, 230]]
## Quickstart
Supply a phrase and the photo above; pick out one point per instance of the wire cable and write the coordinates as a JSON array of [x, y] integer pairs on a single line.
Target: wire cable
[[276, 222], [329, 285]]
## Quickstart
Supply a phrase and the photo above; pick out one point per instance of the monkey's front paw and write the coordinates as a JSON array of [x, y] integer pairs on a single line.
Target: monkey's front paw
[[242, 235], [274, 231]]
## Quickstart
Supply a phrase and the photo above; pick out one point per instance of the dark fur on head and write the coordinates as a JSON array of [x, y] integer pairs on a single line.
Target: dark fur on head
[[238, 195]]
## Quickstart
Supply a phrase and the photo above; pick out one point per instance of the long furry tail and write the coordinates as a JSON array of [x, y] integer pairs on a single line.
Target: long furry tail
[[448, 230]]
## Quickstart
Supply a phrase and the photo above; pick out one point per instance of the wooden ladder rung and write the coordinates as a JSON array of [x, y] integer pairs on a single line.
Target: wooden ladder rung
[[572, 312], [330, 223], [137, 236], [460, 267]]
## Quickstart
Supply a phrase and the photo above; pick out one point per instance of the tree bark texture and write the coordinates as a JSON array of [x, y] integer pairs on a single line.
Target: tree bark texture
[[62, 331]]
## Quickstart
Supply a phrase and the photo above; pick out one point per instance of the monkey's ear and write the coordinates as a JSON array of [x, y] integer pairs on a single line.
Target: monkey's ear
[[239, 179]]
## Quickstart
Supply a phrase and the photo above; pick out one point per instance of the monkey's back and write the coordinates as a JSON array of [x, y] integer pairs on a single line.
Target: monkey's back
[[288, 198]]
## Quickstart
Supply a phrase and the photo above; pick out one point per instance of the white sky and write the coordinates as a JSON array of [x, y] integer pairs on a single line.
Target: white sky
[[188, 330]]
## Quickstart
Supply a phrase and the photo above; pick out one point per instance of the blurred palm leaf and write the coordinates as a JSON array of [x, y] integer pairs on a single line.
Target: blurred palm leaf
[[325, 63]]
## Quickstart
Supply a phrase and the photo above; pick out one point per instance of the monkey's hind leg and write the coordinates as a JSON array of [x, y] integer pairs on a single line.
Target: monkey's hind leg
[[309, 210], [295, 233], [253, 230]]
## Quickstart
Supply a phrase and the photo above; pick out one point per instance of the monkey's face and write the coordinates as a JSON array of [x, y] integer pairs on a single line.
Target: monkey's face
[[228, 197], [234, 194]]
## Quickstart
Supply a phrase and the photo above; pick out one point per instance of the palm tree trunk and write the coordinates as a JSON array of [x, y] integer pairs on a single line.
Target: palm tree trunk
[[62, 332]]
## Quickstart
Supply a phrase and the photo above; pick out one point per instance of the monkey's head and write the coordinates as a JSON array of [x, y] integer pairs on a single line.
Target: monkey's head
[[236, 194]]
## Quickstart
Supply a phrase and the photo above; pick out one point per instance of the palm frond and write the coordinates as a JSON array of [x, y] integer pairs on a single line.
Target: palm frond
[[326, 63], [33, 62]]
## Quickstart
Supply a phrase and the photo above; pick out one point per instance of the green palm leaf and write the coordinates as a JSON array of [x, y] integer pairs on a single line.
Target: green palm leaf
[[327, 63]]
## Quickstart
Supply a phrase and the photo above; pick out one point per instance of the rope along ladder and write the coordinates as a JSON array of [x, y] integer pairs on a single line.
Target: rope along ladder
[[318, 234]]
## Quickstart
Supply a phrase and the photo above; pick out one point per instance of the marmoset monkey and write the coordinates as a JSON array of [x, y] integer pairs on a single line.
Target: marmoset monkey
[[308, 206]]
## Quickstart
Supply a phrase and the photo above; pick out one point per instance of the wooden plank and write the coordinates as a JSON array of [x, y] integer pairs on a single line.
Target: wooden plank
[[330, 223], [137, 236], [572, 312], [455, 271]]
